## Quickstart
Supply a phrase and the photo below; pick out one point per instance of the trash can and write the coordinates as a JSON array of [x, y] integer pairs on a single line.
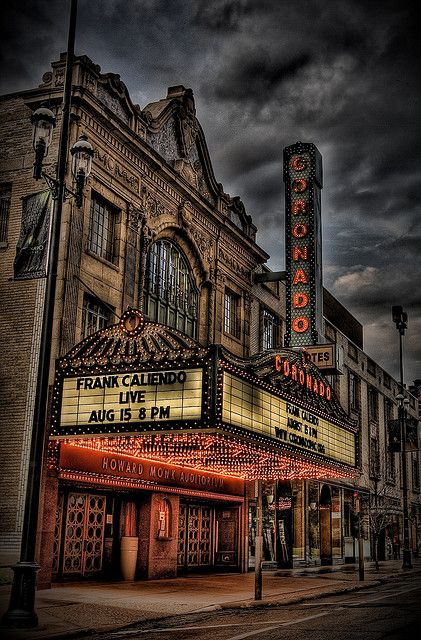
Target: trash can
[[128, 556]]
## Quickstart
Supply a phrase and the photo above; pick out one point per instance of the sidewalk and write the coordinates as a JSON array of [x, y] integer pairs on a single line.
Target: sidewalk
[[69, 610]]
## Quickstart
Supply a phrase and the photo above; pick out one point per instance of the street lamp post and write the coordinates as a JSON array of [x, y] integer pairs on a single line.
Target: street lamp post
[[21, 612], [400, 318]]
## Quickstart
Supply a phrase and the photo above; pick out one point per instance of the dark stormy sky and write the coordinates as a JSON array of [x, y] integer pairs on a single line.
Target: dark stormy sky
[[343, 74]]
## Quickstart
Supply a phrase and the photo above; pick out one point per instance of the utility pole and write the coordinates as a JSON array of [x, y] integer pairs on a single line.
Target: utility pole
[[400, 318], [360, 540], [258, 543], [21, 612]]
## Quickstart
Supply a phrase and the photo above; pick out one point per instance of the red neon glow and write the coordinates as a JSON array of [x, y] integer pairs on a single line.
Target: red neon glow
[[300, 253], [298, 163], [299, 230], [299, 206], [219, 454], [299, 185], [299, 375], [299, 300], [300, 276], [299, 325]]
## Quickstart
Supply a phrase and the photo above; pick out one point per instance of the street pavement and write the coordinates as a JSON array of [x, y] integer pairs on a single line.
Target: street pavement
[[71, 610]]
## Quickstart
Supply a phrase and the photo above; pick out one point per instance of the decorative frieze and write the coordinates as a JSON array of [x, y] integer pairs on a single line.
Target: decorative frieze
[[117, 170], [154, 207], [234, 264]]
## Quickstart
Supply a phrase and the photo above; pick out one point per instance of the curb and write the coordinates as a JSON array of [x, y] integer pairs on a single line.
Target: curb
[[274, 601]]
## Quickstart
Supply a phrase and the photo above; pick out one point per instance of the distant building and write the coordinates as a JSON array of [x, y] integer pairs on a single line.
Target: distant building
[[171, 391]]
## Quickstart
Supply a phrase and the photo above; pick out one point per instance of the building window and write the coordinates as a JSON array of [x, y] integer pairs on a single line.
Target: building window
[[232, 313], [371, 367], [269, 330], [330, 332], [354, 392], [415, 472], [5, 194], [373, 404], [171, 296], [374, 459], [95, 315], [352, 351], [386, 380], [390, 456], [102, 228]]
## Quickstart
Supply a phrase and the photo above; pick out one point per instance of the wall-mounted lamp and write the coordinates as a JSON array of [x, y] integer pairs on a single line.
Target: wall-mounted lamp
[[43, 122], [82, 154]]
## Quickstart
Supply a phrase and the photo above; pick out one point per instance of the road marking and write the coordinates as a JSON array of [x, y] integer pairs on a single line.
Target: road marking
[[276, 626], [270, 624], [198, 628], [382, 597], [353, 603]]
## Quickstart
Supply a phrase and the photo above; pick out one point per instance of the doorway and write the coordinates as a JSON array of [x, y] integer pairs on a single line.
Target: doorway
[[325, 525], [79, 534], [194, 537], [284, 524]]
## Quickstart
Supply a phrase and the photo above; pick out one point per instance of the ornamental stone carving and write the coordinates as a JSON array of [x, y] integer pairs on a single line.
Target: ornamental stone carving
[[47, 79], [186, 214], [185, 169], [188, 126], [89, 81], [115, 169], [234, 264], [203, 244], [59, 77], [220, 278], [154, 208], [136, 216], [148, 236]]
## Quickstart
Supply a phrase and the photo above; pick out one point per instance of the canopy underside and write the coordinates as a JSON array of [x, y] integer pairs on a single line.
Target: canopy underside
[[221, 454]]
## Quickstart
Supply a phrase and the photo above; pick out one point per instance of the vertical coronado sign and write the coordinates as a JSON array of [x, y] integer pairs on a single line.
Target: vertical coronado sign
[[303, 243]]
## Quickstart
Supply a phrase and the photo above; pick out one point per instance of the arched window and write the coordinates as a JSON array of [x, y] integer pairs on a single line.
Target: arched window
[[171, 296]]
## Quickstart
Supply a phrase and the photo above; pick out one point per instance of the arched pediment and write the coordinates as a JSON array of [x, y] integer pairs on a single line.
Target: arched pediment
[[132, 341], [175, 133]]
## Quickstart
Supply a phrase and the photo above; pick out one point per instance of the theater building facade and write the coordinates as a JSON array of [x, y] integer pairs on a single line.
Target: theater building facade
[[157, 442], [172, 393]]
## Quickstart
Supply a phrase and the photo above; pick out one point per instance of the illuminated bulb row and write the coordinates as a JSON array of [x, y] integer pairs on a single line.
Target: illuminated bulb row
[[216, 453]]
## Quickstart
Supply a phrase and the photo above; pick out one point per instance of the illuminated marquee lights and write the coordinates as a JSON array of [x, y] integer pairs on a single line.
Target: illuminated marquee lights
[[119, 356], [302, 176], [131, 398], [263, 414], [218, 453], [318, 387]]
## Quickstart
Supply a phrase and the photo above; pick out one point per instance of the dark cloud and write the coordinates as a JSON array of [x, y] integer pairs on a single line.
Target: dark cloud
[[257, 74], [221, 15], [344, 75]]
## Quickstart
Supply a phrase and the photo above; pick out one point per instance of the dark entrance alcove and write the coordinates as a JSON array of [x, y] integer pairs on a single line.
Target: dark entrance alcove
[[284, 524], [325, 525]]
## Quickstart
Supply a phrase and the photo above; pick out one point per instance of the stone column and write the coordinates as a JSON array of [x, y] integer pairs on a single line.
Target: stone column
[[135, 221]]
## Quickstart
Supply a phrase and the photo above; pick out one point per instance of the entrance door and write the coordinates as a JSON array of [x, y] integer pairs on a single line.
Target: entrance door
[[226, 544], [194, 536], [325, 525], [83, 541]]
